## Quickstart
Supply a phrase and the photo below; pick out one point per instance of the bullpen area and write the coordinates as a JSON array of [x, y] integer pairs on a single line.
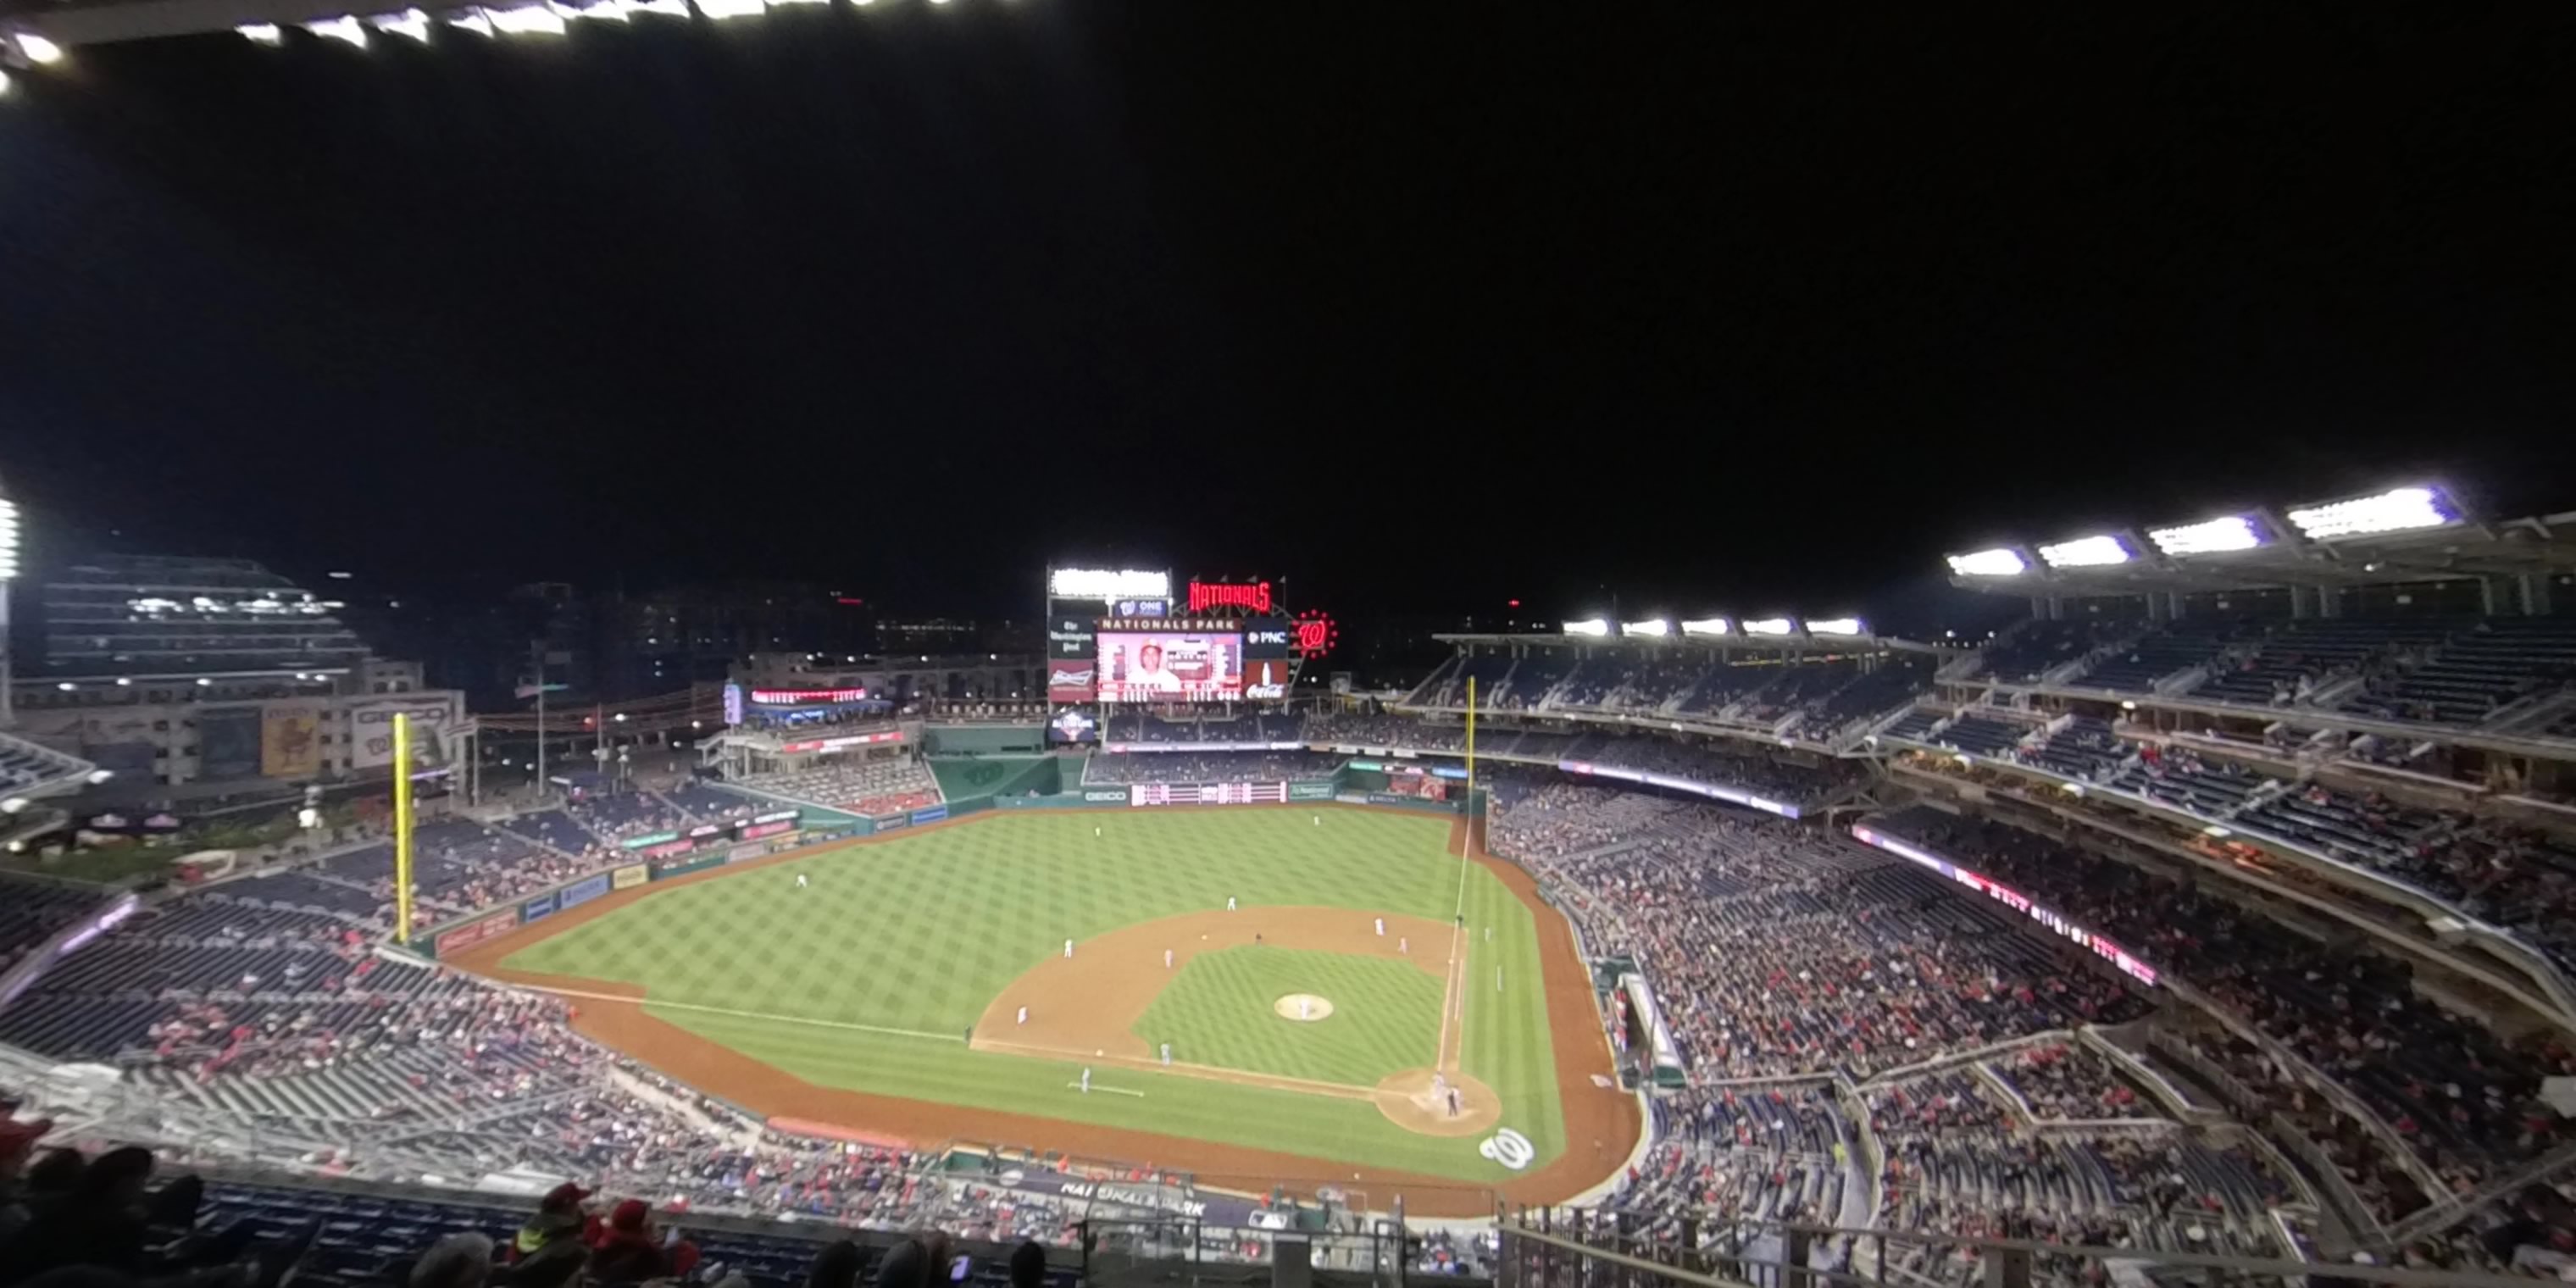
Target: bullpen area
[[1302, 994]]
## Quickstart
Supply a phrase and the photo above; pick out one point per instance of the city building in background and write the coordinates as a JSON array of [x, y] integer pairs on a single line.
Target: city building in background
[[201, 676]]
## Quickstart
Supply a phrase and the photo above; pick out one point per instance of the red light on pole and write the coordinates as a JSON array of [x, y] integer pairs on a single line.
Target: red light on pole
[[1512, 603]]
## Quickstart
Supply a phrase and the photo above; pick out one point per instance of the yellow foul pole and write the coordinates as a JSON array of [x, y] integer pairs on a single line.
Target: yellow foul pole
[[402, 828], [1471, 762]]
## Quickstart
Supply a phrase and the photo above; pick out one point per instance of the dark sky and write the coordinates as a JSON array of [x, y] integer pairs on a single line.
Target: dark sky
[[1421, 304]]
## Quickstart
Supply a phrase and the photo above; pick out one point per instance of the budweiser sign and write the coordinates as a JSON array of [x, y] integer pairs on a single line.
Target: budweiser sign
[[1253, 598], [1061, 675]]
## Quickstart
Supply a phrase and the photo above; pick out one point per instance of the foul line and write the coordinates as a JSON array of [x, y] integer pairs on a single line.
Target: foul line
[[958, 1038], [1110, 1091], [1182, 1068], [1449, 990]]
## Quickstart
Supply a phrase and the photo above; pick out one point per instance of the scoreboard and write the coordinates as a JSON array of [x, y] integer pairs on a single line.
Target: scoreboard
[[1207, 794]]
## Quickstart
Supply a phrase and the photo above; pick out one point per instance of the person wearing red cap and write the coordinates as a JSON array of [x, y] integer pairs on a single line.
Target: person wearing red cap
[[632, 1251]]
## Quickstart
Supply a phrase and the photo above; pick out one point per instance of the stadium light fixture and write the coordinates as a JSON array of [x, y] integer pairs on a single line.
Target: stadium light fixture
[[8, 539], [2208, 537], [66, 686], [410, 22], [1770, 626], [1998, 562], [38, 49], [1834, 626], [97, 776], [344, 29], [263, 33], [2397, 510], [2086, 552], [1656, 627], [1588, 626], [1081, 583], [13, 805], [470, 20], [1707, 626], [527, 20]]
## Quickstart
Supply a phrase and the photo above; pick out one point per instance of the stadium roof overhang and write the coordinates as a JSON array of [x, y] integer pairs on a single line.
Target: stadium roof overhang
[[2131, 562], [1733, 642]]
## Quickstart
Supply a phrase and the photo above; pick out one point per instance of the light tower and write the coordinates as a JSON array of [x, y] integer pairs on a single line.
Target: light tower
[[8, 577]]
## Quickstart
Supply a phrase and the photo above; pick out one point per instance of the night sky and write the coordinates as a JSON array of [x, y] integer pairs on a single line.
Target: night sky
[[1424, 305]]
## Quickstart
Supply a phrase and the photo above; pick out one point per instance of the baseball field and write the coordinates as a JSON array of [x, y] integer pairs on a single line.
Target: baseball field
[[1305, 994]]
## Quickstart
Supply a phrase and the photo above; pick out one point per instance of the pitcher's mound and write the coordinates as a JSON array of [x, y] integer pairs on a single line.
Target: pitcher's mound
[[1305, 1008], [1414, 1102]]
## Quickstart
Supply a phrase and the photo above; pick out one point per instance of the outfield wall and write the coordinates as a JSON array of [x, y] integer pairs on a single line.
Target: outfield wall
[[449, 938]]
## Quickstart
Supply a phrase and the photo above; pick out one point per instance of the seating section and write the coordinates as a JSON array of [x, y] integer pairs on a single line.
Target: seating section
[[2295, 658], [2164, 653], [30, 911], [27, 768], [2438, 670], [1979, 735], [1825, 696], [368, 1235], [1717, 763], [2041, 646], [2355, 1017], [2475, 672], [1779, 953], [2085, 747], [2185, 779], [873, 787]]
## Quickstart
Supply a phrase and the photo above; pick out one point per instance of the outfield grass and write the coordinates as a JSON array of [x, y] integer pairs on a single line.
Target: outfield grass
[[898, 945], [1218, 1010]]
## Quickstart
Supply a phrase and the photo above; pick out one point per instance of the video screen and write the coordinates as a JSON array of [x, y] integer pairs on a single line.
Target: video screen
[[1171, 666], [1073, 727]]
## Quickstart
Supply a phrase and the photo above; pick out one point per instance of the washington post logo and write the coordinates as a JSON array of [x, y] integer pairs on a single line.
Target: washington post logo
[[1253, 598]]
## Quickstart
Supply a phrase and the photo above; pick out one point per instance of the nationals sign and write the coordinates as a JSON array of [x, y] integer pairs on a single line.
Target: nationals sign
[[1253, 598]]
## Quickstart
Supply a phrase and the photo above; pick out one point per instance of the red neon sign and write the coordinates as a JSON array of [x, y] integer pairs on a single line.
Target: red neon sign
[[1253, 598], [1316, 633]]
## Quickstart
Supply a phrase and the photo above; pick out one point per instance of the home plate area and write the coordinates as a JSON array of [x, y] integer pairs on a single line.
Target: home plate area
[[1439, 1104]]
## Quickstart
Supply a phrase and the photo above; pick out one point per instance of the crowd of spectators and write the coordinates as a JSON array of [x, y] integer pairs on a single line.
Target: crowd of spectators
[[889, 785], [117, 1217], [2461, 1097], [1820, 699], [1781, 953]]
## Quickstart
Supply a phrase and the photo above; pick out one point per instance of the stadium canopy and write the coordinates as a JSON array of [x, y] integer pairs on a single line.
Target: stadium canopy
[[2401, 535]]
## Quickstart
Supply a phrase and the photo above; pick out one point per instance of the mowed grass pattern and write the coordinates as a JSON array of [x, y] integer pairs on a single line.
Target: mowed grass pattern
[[1220, 1010], [914, 935]]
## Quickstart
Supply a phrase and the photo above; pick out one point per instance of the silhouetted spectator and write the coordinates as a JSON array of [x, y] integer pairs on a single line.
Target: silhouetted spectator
[[632, 1251]]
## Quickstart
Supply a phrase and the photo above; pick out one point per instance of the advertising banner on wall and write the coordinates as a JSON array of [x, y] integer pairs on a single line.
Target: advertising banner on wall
[[630, 876], [475, 932], [371, 729], [290, 739], [228, 743], [582, 891]]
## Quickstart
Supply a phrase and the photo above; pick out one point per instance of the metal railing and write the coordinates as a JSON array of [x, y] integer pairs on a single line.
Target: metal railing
[[1561, 1248]]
